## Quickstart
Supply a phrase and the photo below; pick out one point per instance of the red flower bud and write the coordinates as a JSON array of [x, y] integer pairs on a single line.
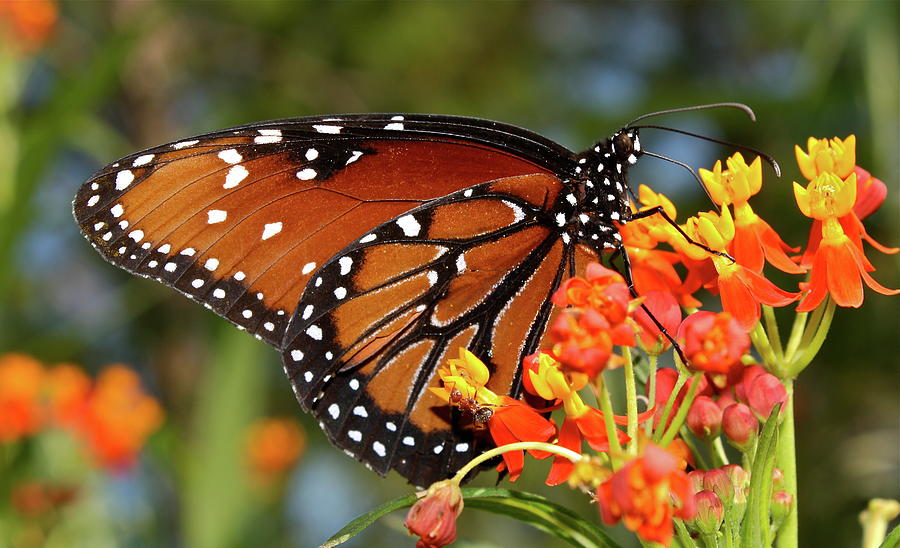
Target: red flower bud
[[782, 504], [433, 517], [705, 418], [748, 374], [718, 482], [764, 392], [696, 479], [777, 479], [664, 308], [710, 512], [740, 425]]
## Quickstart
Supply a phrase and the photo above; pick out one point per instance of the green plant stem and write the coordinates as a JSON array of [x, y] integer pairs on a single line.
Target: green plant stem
[[682, 410], [630, 403], [667, 410], [717, 450], [809, 351], [684, 537], [608, 420], [763, 346], [772, 332], [710, 541], [689, 440], [518, 446], [786, 460], [728, 534], [796, 335]]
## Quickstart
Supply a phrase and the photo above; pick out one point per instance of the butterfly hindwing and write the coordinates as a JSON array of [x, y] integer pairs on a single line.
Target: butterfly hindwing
[[474, 269]]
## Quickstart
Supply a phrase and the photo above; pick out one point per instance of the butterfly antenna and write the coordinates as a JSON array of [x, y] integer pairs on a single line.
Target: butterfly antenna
[[768, 159], [689, 168], [740, 106]]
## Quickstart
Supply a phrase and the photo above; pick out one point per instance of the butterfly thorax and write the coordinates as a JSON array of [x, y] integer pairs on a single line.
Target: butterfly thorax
[[603, 185]]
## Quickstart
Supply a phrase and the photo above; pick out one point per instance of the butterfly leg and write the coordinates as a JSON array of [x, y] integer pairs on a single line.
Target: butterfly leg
[[658, 210], [629, 281]]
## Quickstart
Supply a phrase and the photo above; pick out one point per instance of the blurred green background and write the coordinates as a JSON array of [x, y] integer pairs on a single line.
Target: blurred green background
[[114, 77]]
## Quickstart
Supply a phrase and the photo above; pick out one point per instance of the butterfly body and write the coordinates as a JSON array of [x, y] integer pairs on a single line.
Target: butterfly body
[[368, 249]]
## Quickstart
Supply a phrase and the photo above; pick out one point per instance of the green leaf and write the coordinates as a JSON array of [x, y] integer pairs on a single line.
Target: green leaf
[[755, 527], [529, 508], [893, 538]]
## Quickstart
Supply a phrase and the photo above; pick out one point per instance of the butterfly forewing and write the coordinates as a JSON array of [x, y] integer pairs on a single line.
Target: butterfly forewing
[[241, 219]]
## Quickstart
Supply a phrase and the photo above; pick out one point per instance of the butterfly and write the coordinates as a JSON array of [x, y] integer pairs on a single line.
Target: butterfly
[[367, 249]]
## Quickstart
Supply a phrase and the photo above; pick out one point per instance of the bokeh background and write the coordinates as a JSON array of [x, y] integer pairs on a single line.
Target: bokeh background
[[83, 83]]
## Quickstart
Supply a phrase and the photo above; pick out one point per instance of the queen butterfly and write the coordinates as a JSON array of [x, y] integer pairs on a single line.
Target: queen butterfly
[[366, 249]]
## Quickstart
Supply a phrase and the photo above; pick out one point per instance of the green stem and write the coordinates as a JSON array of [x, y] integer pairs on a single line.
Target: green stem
[[667, 410], [772, 332], [608, 420], [786, 460], [682, 410], [518, 446], [710, 541], [815, 344], [684, 537], [630, 402], [728, 534], [717, 450], [796, 335], [763, 346]]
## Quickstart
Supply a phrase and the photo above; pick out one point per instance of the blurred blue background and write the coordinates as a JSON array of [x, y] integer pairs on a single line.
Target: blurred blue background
[[114, 77]]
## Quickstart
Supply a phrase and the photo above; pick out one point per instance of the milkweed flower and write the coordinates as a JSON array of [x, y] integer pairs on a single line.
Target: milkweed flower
[[511, 420], [754, 242], [549, 381], [839, 267], [712, 342], [741, 289], [646, 493], [21, 381]]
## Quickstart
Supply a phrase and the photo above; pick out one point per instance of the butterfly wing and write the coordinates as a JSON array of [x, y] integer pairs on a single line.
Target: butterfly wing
[[474, 269], [241, 219]]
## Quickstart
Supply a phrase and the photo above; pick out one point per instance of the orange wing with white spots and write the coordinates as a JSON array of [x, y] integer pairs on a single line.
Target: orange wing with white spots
[[241, 219]]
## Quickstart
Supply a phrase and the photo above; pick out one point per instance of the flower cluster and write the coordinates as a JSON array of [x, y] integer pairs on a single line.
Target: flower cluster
[[732, 370], [273, 445], [112, 416]]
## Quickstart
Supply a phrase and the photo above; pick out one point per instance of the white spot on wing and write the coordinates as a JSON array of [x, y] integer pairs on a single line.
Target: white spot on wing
[[340, 293], [216, 216], [230, 156], [117, 210], [367, 238], [235, 175], [219, 293], [308, 267], [346, 263], [267, 136], [136, 235], [360, 411], [92, 201], [142, 160], [408, 440], [353, 157], [355, 435], [183, 144], [123, 179], [311, 154], [271, 229], [517, 211], [354, 384], [379, 449], [334, 411], [239, 275], [410, 225], [211, 264], [306, 174], [296, 355], [314, 332], [327, 128]]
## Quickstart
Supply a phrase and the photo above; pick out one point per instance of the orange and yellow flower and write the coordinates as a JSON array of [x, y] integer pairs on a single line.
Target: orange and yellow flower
[[839, 267], [754, 241], [646, 493]]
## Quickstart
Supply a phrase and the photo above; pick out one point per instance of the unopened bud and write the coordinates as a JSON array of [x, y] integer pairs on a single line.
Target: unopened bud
[[782, 504], [705, 418], [710, 513], [764, 392], [433, 516], [718, 482], [740, 425]]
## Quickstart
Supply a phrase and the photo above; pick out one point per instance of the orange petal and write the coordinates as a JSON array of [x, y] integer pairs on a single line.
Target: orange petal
[[870, 281], [764, 290], [818, 285], [842, 273], [738, 301], [570, 438]]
